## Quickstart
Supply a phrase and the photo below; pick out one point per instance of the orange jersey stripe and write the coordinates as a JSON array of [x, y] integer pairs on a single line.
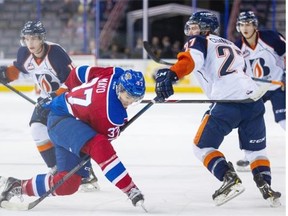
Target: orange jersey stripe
[[210, 156], [185, 64], [201, 128], [258, 163], [45, 147]]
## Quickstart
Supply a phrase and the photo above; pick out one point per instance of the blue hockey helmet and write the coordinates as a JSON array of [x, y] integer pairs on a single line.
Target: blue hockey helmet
[[206, 20], [133, 83], [246, 17], [34, 28]]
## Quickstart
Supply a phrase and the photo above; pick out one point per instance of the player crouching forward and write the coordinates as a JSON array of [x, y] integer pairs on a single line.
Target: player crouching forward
[[84, 121]]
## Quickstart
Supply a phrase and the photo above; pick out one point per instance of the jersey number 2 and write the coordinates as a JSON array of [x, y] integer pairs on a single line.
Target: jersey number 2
[[227, 53]]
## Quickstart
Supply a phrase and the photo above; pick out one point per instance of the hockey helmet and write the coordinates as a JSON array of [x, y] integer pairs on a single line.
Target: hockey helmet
[[34, 28], [246, 17], [206, 20], [133, 83]]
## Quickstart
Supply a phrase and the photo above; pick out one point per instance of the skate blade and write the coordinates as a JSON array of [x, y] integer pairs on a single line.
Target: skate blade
[[14, 206], [236, 190], [89, 187], [274, 202], [243, 169], [141, 204]]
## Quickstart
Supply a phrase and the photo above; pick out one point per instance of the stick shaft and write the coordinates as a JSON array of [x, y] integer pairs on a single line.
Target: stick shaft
[[19, 93], [84, 161], [184, 101]]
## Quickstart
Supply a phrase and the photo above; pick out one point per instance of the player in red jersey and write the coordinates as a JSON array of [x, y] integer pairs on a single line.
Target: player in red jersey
[[84, 121], [48, 65]]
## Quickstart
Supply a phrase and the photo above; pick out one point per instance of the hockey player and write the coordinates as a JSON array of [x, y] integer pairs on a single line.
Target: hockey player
[[265, 53], [219, 67], [48, 65], [82, 121]]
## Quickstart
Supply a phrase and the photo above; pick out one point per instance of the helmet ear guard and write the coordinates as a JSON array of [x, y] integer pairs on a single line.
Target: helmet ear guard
[[246, 17]]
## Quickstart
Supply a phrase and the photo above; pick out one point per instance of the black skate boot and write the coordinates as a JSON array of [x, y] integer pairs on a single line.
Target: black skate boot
[[11, 188], [136, 196], [231, 187], [90, 183], [268, 194], [243, 165]]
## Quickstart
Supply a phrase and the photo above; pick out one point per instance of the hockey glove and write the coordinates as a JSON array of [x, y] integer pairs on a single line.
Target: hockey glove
[[164, 83], [42, 106], [3, 77]]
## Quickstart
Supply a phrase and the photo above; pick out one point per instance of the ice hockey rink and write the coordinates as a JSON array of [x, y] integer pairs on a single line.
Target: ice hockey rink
[[157, 152]]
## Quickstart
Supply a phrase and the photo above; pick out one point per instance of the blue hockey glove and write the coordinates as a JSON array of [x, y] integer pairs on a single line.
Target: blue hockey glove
[[164, 83], [42, 106], [3, 77]]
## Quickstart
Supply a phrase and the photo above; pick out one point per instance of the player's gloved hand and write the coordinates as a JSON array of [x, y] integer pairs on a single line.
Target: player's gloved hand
[[164, 83], [42, 106], [283, 80], [3, 77]]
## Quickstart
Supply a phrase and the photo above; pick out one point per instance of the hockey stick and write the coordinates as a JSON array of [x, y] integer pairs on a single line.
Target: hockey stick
[[274, 82], [149, 51], [27, 206], [18, 92], [150, 103], [184, 101]]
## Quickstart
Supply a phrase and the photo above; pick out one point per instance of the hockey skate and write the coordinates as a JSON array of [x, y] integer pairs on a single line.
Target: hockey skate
[[268, 194], [90, 183], [243, 165], [231, 187], [136, 198], [10, 188]]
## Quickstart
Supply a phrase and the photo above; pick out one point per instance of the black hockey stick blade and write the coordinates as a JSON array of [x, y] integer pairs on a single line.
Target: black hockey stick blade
[[150, 53]]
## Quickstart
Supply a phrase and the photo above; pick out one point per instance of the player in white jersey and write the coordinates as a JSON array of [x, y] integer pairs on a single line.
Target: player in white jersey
[[265, 53], [219, 67], [49, 65]]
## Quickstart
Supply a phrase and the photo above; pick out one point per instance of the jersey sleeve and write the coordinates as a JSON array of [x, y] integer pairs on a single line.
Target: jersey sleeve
[[22, 55], [274, 39], [193, 57], [60, 61]]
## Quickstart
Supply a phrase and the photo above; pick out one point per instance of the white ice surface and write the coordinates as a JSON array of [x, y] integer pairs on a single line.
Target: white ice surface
[[157, 152]]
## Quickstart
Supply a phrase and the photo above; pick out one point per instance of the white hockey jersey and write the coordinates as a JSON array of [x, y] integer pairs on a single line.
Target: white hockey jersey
[[267, 59], [49, 72], [219, 67]]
